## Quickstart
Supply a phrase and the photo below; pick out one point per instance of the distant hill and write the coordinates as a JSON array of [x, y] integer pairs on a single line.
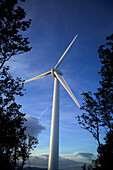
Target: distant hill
[[34, 168]]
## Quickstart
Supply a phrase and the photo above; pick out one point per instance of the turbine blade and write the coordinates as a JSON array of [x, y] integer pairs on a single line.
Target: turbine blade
[[61, 58], [63, 82], [37, 77]]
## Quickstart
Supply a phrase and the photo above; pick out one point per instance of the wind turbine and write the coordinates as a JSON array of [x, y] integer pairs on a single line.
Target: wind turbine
[[54, 137]]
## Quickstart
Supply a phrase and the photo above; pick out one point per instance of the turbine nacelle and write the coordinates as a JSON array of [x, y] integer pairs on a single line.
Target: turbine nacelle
[[53, 71]]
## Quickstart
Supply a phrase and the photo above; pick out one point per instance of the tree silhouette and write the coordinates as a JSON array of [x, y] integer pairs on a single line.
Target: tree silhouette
[[104, 94], [84, 166], [98, 108], [90, 119], [15, 145], [105, 156], [12, 24]]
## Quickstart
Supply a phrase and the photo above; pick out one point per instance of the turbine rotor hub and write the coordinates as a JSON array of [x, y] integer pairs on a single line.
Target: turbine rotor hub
[[52, 72], [58, 71]]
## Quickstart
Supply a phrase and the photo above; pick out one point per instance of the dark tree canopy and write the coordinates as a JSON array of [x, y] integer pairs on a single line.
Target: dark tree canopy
[[104, 94], [90, 119], [15, 145], [98, 107], [12, 24], [105, 153]]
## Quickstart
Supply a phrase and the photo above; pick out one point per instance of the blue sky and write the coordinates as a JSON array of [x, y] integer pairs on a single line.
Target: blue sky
[[54, 25]]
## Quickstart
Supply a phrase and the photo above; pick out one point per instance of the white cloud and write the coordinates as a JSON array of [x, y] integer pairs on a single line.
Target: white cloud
[[64, 164], [80, 156], [85, 155], [45, 111], [65, 161], [34, 128], [25, 67], [19, 66]]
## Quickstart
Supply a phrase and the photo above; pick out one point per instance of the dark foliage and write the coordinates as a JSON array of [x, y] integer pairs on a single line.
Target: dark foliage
[[90, 119], [104, 94], [105, 154], [98, 108], [15, 145], [12, 24]]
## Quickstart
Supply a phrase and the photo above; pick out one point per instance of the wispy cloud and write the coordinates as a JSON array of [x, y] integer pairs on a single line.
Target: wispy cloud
[[25, 67], [42, 161], [88, 156], [66, 162], [45, 111], [34, 128], [80, 156]]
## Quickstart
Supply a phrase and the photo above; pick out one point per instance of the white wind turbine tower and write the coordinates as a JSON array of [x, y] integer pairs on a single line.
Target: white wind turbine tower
[[54, 138]]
